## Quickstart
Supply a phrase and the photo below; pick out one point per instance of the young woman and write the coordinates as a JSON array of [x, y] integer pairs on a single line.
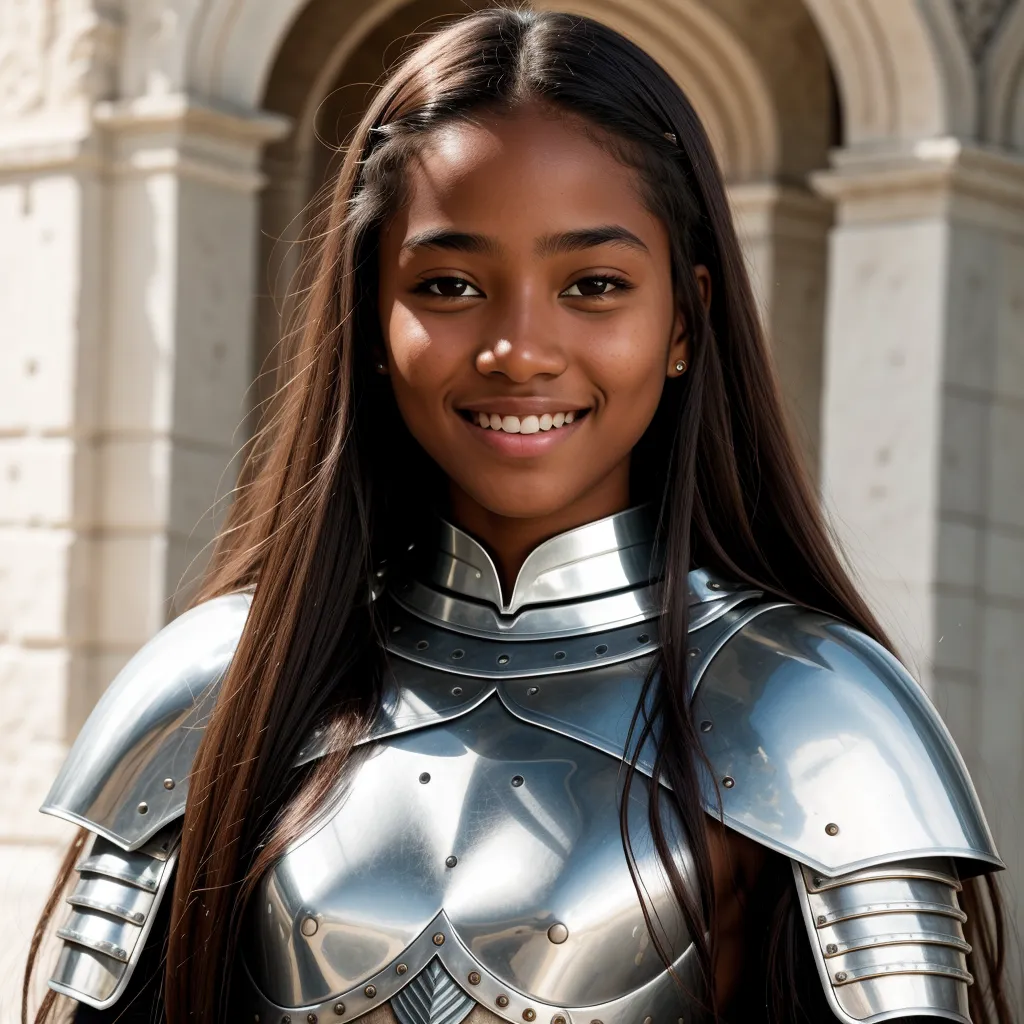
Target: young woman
[[526, 684]]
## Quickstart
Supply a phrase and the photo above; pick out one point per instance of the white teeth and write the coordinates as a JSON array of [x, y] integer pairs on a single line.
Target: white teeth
[[526, 425]]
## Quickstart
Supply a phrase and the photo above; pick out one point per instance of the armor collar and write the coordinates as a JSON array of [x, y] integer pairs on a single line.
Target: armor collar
[[600, 576]]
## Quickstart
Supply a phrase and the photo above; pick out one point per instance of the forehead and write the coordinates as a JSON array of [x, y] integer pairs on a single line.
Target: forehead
[[522, 175]]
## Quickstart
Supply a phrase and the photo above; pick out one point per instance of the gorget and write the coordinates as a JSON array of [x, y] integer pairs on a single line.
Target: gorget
[[472, 853]]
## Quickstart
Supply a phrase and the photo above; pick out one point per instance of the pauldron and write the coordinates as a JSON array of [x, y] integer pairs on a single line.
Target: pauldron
[[472, 854]]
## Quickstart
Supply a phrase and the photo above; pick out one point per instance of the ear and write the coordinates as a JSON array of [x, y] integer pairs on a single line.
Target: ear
[[679, 350]]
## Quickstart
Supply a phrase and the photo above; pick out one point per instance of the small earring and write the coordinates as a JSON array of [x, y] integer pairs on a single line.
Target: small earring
[[380, 367], [681, 366]]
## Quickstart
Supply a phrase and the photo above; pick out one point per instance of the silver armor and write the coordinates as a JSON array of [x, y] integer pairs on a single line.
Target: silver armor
[[471, 853]]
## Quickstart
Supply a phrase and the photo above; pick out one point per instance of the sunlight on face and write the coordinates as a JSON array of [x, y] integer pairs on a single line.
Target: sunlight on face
[[527, 310]]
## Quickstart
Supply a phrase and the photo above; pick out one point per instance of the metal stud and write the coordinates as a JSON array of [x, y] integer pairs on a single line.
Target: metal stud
[[693, 652], [438, 939], [529, 1014], [558, 1019], [339, 1009], [168, 783], [285, 1019], [311, 1018], [648, 1020], [533, 691], [370, 991], [601, 649], [424, 777], [643, 638], [559, 655], [396, 629], [450, 862], [456, 691], [517, 781], [309, 926], [503, 659], [706, 725], [458, 653], [841, 976], [822, 919], [143, 808], [558, 933], [832, 829], [502, 1001], [401, 969], [728, 782], [422, 645], [474, 978], [831, 948], [714, 586]]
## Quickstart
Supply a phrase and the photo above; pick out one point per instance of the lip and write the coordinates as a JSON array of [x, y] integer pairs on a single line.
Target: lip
[[528, 406], [520, 446]]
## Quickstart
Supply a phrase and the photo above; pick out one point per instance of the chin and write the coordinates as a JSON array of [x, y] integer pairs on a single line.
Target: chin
[[523, 500]]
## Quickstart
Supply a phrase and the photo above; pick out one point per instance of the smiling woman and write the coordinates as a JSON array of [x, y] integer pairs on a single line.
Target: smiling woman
[[526, 683]]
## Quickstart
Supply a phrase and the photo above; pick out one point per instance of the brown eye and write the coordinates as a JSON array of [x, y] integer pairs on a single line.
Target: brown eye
[[449, 288], [594, 287]]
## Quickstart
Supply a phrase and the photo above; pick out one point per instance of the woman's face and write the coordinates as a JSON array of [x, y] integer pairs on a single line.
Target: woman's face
[[527, 309]]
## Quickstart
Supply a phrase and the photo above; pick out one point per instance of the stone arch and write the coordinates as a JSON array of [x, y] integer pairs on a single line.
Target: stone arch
[[1004, 84], [902, 69]]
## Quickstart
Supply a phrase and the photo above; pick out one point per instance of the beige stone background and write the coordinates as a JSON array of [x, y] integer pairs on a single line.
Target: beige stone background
[[150, 150]]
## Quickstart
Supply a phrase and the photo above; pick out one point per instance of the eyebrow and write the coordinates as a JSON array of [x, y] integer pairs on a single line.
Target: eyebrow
[[549, 245]]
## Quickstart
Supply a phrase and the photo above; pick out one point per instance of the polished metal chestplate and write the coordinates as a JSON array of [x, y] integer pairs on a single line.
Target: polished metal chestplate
[[492, 845]]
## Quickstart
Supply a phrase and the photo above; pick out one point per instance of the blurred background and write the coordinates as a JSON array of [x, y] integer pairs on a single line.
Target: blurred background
[[156, 157]]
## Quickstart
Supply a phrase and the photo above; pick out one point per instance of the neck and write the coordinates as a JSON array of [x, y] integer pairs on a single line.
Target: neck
[[510, 539]]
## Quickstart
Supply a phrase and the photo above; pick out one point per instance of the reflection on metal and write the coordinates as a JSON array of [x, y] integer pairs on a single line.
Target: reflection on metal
[[112, 910], [889, 942], [545, 854], [432, 997], [146, 729], [802, 706]]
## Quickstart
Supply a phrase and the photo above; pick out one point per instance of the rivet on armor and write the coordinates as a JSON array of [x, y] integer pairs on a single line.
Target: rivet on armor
[[311, 1018], [168, 783], [474, 978], [256, 1018], [396, 629], [143, 808], [401, 969], [693, 652], [502, 1001], [450, 862], [309, 926], [533, 691], [529, 1014], [558, 1019], [728, 782], [706, 725], [438, 939], [822, 919], [818, 880], [458, 653], [648, 1020], [339, 1009], [558, 933], [424, 777], [601, 649], [841, 976], [643, 638], [517, 780], [456, 690], [714, 586], [422, 645], [559, 655], [286, 1019], [503, 659], [831, 948], [370, 991], [832, 829]]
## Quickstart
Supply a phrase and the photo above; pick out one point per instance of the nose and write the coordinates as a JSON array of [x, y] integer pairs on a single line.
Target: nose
[[526, 345]]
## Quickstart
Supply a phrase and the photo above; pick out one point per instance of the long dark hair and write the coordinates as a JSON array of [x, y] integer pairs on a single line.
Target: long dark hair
[[321, 500]]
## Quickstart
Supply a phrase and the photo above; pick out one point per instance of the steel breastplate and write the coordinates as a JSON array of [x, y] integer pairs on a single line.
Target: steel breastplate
[[472, 854]]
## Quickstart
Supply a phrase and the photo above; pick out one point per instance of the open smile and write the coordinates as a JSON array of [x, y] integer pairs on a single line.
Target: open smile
[[525, 435], [529, 424]]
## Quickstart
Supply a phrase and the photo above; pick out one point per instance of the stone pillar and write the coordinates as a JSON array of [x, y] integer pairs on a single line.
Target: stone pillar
[[923, 439], [127, 279], [784, 232]]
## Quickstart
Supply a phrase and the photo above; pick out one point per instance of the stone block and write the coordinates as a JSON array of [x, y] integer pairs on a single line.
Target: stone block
[[136, 474], [35, 565], [958, 555], [1004, 565], [45, 481], [131, 588], [957, 645], [1006, 465], [1008, 379], [973, 300], [964, 452]]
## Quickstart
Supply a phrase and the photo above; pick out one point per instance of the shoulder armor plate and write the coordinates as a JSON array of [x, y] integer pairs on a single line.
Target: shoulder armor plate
[[826, 750], [126, 776]]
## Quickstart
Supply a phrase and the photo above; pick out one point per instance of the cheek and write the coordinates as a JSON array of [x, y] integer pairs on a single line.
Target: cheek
[[629, 365], [408, 342]]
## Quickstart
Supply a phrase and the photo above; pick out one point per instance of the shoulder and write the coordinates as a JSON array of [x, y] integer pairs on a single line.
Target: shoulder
[[126, 776], [825, 749]]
